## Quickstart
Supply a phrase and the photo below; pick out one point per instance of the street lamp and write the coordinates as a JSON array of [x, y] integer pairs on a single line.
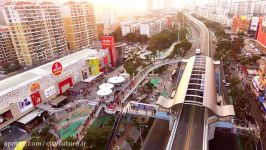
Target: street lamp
[[141, 128], [178, 31]]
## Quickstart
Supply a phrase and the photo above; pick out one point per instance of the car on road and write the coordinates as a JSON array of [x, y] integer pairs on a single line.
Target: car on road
[[227, 84], [197, 51], [223, 81]]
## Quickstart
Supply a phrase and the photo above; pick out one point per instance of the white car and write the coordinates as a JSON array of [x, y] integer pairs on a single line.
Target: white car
[[227, 84], [223, 81], [197, 51]]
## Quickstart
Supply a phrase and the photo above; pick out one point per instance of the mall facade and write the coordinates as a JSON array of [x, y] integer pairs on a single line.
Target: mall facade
[[21, 94]]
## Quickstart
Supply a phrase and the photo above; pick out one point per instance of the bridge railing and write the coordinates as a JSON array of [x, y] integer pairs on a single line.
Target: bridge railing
[[172, 136]]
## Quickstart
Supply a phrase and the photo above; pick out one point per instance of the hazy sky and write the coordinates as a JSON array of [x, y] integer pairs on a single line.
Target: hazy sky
[[135, 7]]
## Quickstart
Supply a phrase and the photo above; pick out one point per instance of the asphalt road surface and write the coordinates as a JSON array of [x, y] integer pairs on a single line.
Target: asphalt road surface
[[189, 133], [158, 136]]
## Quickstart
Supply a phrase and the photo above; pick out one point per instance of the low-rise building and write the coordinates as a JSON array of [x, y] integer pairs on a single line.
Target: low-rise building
[[129, 27], [22, 93]]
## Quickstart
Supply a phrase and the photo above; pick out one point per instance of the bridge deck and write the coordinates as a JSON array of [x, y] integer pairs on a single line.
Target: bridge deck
[[189, 133]]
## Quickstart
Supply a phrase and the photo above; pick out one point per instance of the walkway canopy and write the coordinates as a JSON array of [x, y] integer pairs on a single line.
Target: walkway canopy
[[116, 80], [104, 92], [30, 116], [106, 86], [58, 100]]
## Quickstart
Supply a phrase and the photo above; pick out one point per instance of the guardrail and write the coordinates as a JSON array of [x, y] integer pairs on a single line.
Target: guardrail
[[172, 136]]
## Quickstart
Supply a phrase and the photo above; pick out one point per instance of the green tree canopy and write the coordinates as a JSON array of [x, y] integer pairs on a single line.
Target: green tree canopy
[[96, 138], [136, 37], [163, 40], [117, 34]]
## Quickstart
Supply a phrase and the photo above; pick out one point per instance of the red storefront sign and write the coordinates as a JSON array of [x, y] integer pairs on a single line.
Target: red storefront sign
[[57, 68], [65, 85], [107, 41], [36, 98]]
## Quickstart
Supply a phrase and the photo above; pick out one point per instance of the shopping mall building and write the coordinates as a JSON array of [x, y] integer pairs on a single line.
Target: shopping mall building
[[21, 94]]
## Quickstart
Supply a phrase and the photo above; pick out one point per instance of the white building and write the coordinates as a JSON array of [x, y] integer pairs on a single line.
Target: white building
[[152, 27], [129, 27], [40, 85]]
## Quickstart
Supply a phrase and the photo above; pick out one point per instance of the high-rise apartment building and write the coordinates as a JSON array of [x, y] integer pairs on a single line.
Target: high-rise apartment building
[[110, 20], [7, 50], [36, 31], [79, 24]]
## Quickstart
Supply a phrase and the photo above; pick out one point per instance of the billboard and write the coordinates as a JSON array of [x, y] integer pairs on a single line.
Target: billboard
[[254, 23], [107, 41], [5, 116], [25, 104], [50, 91], [94, 65]]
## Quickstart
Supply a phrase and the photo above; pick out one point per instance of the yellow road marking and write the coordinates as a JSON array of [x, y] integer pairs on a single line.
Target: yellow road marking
[[190, 130]]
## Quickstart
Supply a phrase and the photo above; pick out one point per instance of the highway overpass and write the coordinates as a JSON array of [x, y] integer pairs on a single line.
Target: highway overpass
[[196, 93]]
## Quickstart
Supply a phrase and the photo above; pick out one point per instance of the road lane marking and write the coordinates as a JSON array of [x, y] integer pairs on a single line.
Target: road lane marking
[[188, 139]]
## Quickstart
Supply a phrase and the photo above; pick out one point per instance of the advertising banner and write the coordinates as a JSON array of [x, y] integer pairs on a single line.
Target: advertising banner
[[107, 41], [254, 23], [5, 116], [36, 98], [35, 87], [105, 60], [57, 68], [84, 74], [49, 91], [25, 104], [94, 64]]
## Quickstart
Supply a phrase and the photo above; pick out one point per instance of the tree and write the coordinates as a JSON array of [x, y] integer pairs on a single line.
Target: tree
[[163, 40], [183, 33], [220, 33], [117, 34], [223, 45], [96, 138], [136, 37], [237, 44]]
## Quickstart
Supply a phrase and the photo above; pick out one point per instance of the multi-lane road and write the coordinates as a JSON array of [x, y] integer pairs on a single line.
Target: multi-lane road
[[190, 130]]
